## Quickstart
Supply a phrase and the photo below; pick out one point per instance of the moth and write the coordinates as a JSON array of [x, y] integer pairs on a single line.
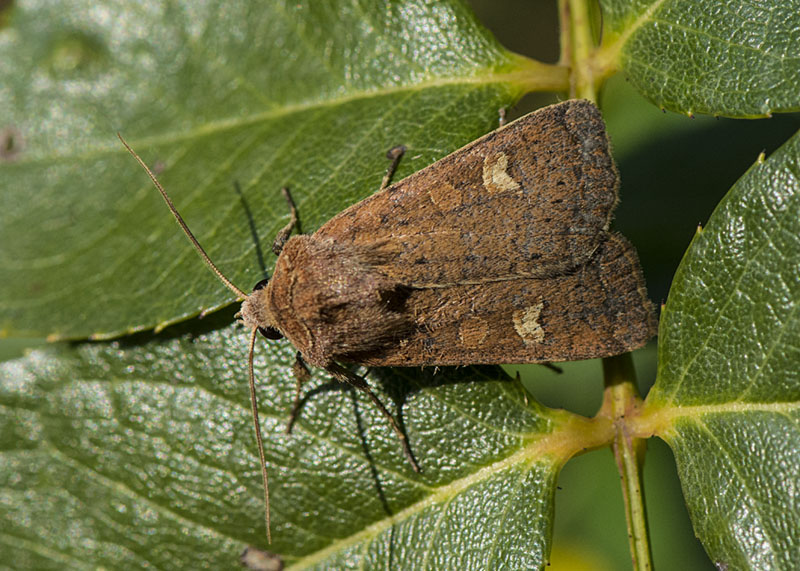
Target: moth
[[498, 253]]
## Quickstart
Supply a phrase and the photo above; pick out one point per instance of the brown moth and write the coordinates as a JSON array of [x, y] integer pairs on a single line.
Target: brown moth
[[498, 253]]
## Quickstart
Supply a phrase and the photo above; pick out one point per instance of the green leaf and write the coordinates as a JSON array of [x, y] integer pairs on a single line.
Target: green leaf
[[728, 389], [720, 57], [213, 95], [140, 452]]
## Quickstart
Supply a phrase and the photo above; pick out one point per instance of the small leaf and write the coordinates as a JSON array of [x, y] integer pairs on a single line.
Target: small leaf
[[214, 96], [141, 453], [721, 57], [728, 388]]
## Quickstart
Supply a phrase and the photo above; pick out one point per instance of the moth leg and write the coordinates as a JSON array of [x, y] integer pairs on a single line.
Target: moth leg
[[394, 154], [283, 235], [501, 116], [552, 367], [346, 376], [524, 392], [301, 376]]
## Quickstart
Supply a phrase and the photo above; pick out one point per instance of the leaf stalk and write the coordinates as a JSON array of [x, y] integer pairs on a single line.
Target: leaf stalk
[[621, 401]]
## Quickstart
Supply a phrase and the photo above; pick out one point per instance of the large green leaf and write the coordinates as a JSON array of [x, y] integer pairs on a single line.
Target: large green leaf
[[727, 397], [140, 452], [213, 95], [721, 57]]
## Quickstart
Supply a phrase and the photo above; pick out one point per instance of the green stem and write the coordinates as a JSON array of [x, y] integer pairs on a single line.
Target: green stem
[[531, 75], [581, 48], [622, 400]]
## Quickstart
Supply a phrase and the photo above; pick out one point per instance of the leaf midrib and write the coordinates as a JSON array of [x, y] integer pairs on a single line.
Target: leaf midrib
[[541, 451], [511, 77], [635, 25], [660, 419]]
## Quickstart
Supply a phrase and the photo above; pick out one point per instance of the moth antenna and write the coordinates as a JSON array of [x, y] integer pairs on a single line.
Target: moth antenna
[[228, 283], [259, 440]]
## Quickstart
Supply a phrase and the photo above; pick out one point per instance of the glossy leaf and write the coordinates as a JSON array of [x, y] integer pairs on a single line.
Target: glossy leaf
[[720, 57], [227, 101], [141, 452], [728, 390]]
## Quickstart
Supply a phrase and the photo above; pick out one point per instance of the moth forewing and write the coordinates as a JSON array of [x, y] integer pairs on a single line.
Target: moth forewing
[[595, 310], [530, 199]]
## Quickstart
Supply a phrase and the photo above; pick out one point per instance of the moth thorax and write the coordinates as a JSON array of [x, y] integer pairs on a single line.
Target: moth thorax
[[255, 312]]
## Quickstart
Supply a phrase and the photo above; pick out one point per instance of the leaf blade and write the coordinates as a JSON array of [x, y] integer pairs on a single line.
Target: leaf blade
[[730, 58], [262, 107], [728, 386], [145, 449]]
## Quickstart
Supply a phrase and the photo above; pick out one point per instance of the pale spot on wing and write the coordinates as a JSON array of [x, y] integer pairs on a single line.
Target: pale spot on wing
[[472, 332], [445, 196], [495, 175], [526, 323]]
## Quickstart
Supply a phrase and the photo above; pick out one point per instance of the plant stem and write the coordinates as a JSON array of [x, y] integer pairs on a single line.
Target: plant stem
[[621, 400], [579, 47], [531, 75]]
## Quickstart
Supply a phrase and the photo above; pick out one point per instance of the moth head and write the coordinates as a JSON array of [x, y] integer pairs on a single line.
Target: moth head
[[255, 313]]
